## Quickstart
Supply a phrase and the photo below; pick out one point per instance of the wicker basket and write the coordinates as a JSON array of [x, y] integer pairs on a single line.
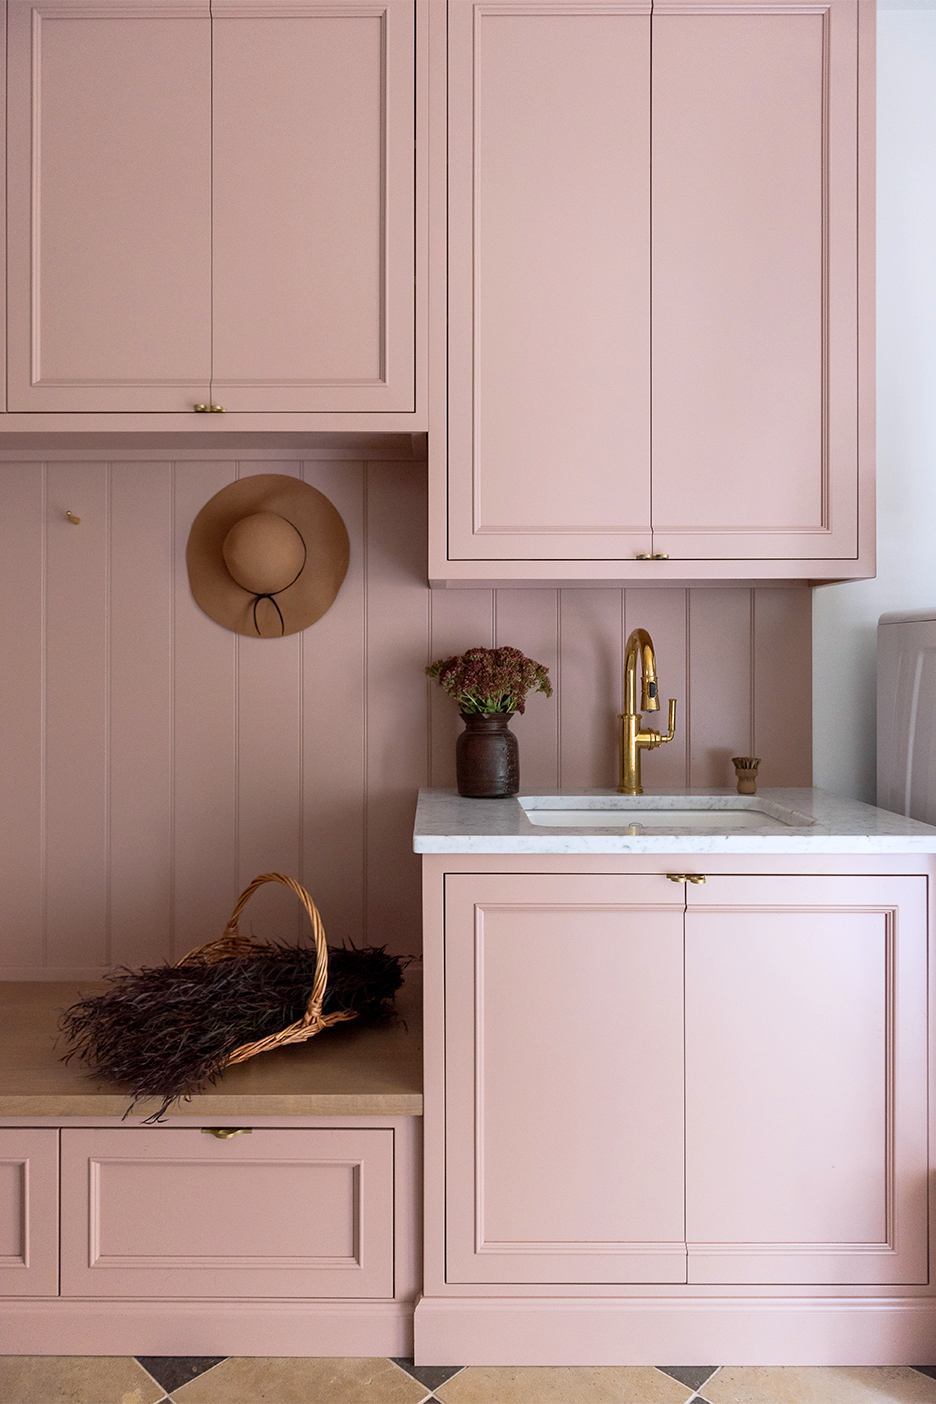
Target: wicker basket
[[232, 944]]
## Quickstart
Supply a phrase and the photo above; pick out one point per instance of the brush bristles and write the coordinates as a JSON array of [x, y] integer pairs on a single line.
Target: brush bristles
[[167, 1031]]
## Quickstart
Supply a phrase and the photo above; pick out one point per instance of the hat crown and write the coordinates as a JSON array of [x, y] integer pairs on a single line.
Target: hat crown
[[264, 553]]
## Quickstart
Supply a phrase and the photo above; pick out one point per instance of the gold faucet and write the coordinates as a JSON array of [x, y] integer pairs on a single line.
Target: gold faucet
[[633, 738]]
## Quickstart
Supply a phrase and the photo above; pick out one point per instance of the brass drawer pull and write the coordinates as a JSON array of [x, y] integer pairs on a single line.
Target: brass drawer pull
[[685, 877], [224, 1133]]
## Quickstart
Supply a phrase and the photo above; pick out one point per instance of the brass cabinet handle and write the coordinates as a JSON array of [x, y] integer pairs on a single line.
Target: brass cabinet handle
[[644, 556], [660, 556], [200, 409], [224, 1133], [217, 409], [685, 877]]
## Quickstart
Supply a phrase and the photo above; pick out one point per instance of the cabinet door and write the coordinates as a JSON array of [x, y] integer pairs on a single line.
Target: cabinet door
[[109, 205], [29, 1212], [171, 1212], [754, 268], [806, 1120], [549, 408], [313, 181], [564, 1079]]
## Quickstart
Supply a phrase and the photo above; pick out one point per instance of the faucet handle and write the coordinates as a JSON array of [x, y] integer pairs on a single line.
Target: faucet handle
[[672, 721]]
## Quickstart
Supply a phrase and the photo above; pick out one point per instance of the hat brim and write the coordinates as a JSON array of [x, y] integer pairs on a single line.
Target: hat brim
[[308, 598]]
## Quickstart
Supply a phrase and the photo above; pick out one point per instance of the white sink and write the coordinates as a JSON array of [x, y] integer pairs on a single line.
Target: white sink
[[714, 814]]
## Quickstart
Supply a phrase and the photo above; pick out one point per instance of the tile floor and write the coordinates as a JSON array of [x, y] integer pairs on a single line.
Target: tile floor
[[302, 1380]]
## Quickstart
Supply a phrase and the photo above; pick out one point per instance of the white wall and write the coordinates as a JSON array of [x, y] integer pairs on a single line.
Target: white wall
[[845, 616]]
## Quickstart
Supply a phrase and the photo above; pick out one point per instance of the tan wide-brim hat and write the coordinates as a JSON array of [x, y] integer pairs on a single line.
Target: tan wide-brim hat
[[267, 555]]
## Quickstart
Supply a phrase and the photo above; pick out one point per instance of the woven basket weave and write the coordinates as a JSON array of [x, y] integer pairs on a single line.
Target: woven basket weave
[[233, 945]]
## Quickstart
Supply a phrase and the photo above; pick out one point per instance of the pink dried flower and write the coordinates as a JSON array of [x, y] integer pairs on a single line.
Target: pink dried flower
[[490, 679]]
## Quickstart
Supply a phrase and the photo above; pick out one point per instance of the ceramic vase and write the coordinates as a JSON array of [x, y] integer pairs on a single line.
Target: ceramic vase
[[487, 757]]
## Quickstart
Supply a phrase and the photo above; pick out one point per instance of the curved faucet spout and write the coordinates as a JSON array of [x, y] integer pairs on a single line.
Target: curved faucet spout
[[634, 739]]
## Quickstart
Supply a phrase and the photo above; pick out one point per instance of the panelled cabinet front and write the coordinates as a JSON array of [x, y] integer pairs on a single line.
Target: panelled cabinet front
[[653, 289], [211, 206], [723, 1088]]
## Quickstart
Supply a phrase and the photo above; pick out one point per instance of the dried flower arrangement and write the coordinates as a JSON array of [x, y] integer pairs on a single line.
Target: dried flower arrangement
[[169, 1031], [490, 680]]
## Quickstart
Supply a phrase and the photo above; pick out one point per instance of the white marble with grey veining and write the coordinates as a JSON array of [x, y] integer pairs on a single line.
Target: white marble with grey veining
[[815, 822]]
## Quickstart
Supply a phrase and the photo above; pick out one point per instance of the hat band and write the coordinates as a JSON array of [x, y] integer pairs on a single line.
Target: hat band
[[269, 594]]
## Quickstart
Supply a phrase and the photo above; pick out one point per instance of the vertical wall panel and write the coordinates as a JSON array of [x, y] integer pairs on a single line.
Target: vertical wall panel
[[591, 629], [397, 649], [529, 620], [205, 738], [22, 488], [720, 721], [459, 619], [663, 613], [333, 725], [140, 693], [76, 716], [269, 698], [783, 686]]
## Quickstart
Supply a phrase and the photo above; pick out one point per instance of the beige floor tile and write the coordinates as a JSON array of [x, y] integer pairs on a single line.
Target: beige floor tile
[[562, 1384], [297, 1380], [75, 1379], [796, 1384]]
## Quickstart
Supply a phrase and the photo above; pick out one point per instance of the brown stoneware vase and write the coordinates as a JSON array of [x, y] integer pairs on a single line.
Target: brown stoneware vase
[[487, 757]]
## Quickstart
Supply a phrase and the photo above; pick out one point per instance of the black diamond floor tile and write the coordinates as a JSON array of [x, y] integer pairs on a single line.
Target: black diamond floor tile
[[429, 1375], [926, 1370], [692, 1376], [171, 1371]]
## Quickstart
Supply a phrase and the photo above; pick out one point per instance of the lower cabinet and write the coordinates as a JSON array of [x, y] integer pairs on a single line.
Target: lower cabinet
[[657, 1082], [280, 1240]]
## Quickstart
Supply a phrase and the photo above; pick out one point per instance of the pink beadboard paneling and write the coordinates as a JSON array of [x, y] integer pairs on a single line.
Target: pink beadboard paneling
[[269, 803], [591, 651], [140, 701], [22, 564], [205, 879], [458, 620], [397, 699], [334, 725], [77, 720], [529, 620], [782, 698], [720, 722], [176, 760]]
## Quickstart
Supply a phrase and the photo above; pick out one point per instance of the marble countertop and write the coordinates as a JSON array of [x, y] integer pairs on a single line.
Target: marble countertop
[[448, 823], [342, 1071]]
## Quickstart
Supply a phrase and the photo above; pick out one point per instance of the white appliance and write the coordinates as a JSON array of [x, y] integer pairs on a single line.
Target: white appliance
[[906, 714]]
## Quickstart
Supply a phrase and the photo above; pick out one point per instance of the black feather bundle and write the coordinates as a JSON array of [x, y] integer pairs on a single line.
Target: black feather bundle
[[167, 1031]]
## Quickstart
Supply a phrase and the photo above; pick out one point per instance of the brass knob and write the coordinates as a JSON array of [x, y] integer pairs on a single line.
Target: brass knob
[[224, 1133], [217, 409], [685, 877], [660, 556], [200, 409], [644, 556], [72, 518]]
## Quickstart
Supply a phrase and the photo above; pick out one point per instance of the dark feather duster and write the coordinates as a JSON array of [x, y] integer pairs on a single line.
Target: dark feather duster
[[167, 1031]]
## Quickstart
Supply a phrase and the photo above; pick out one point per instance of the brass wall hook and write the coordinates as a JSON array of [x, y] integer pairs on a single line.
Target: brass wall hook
[[72, 518]]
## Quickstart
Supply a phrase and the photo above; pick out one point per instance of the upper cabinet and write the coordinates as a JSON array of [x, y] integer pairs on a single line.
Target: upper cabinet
[[659, 263], [211, 207]]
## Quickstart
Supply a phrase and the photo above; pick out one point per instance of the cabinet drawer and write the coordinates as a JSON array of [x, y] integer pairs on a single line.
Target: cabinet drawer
[[29, 1213], [280, 1213]]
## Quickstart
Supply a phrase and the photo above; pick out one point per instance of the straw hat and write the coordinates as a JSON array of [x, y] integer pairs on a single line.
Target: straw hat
[[267, 555]]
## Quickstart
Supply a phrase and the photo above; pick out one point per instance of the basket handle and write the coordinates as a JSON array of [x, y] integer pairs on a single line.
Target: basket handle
[[317, 997]]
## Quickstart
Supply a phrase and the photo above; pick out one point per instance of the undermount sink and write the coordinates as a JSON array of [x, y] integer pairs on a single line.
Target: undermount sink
[[722, 814]]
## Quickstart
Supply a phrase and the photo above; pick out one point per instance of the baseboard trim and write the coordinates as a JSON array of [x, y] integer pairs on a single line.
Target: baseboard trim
[[49, 1326], [736, 1331]]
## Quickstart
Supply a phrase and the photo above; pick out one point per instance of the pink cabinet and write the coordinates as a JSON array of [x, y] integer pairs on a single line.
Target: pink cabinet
[[28, 1212], [172, 243], [654, 278], [724, 1084], [169, 1212]]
